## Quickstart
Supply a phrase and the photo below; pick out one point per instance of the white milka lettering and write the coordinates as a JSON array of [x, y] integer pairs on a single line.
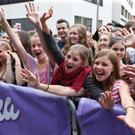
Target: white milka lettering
[[8, 110]]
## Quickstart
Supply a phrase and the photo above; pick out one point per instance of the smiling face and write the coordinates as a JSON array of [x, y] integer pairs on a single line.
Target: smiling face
[[73, 61], [101, 30], [62, 30], [37, 49], [102, 68], [119, 48], [5, 38], [104, 41], [74, 36]]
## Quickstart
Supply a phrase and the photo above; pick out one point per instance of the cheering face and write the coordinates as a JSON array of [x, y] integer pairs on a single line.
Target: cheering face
[[119, 48], [102, 68], [62, 30], [73, 61], [74, 36], [37, 49], [104, 41], [5, 38]]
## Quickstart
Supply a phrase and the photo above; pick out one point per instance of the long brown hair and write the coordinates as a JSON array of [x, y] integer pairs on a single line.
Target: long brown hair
[[111, 55], [82, 37]]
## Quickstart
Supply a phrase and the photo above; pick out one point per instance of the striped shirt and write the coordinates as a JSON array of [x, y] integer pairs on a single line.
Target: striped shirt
[[115, 91]]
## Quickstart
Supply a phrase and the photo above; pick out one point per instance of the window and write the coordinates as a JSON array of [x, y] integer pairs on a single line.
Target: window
[[122, 10], [131, 4], [2, 2], [100, 22], [128, 16], [87, 22], [126, 13], [95, 2]]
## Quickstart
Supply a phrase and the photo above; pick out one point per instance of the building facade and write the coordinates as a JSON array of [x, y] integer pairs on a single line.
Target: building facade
[[122, 11], [75, 11]]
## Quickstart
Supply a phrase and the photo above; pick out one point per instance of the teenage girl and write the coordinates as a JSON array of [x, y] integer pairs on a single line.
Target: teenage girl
[[103, 41], [72, 77], [40, 63], [106, 74]]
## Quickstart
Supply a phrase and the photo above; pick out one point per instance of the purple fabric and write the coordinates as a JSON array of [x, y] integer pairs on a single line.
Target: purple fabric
[[39, 113], [93, 120]]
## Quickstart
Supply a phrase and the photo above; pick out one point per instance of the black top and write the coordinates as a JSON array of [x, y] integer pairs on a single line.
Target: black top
[[91, 88]]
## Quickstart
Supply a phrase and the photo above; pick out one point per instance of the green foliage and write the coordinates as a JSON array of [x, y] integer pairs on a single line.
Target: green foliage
[[1, 28]]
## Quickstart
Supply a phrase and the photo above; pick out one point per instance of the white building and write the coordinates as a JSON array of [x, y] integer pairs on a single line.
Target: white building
[[122, 11], [75, 11]]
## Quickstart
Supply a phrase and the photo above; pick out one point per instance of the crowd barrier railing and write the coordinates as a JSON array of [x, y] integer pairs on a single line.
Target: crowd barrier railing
[[28, 111]]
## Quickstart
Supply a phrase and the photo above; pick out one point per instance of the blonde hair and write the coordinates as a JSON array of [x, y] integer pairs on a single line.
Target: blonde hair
[[111, 55], [110, 36], [5, 46]]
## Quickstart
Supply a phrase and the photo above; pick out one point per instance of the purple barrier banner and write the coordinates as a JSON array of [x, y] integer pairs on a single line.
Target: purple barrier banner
[[93, 120], [28, 111]]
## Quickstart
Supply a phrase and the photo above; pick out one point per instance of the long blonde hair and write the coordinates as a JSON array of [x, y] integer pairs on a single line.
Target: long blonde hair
[[110, 36]]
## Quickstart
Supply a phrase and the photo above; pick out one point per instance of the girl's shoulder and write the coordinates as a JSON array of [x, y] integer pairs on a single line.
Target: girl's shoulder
[[120, 82]]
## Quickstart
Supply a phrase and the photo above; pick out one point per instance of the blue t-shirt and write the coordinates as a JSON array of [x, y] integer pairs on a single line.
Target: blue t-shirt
[[61, 44]]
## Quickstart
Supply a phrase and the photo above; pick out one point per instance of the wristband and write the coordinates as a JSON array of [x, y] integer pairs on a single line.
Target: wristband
[[47, 88], [130, 106]]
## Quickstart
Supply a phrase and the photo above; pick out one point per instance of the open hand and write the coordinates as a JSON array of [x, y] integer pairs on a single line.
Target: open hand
[[30, 78], [33, 14], [2, 15], [107, 101]]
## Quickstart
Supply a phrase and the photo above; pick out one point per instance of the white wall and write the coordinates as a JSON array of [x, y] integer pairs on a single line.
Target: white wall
[[66, 9]]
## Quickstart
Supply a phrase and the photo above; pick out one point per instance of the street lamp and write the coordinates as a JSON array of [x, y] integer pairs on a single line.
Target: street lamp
[[97, 14]]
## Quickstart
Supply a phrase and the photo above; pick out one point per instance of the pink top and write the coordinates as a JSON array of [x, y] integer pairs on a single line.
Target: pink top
[[46, 75]]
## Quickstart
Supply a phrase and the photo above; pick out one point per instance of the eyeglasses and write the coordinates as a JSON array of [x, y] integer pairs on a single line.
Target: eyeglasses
[[116, 29]]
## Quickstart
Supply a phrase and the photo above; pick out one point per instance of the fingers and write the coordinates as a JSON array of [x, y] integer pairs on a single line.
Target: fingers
[[129, 73], [31, 7], [131, 125], [2, 9], [131, 31], [125, 32], [27, 8], [38, 8], [25, 71], [37, 75], [121, 117]]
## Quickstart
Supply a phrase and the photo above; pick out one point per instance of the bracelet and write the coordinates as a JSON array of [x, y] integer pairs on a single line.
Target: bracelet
[[18, 65], [130, 106], [8, 63], [47, 88]]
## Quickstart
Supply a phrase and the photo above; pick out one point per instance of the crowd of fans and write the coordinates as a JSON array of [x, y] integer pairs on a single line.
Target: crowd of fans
[[72, 62]]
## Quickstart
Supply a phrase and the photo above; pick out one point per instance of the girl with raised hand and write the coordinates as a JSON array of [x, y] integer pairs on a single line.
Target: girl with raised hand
[[106, 74], [72, 77], [41, 65], [118, 45]]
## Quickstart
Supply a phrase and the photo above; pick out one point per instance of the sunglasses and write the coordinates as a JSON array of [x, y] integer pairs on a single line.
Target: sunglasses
[[116, 29]]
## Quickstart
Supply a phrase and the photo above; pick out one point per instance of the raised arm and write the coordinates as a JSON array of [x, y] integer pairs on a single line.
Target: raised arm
[[129, 105], [53, 89], [13, 37], [50, 41], [34, 18]]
